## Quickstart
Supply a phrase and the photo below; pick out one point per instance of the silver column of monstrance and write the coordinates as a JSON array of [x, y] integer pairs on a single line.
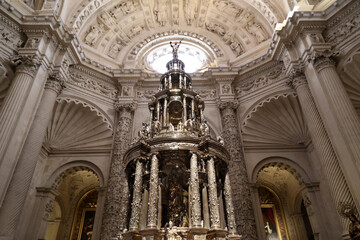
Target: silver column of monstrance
[[176, 170]]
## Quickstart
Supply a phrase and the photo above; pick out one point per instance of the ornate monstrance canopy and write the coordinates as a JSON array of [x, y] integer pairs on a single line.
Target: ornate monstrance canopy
[[177, 172]]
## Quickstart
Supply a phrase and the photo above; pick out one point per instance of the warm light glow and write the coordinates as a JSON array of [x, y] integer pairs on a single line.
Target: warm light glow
[[193, 58]]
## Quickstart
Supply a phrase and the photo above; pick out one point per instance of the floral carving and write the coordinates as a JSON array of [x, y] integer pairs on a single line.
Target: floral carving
[[136, 201], [55, 82], [213, 201], [195, 192], [80, 79], [117, 197], [153, 193], [260, 81], [27, 64], [237, 172]]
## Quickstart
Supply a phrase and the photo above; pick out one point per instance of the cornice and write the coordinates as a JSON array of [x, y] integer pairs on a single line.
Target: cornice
[[296, 23]]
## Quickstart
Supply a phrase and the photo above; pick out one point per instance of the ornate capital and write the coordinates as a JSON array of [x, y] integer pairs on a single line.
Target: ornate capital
[[129, 107], [55, 82], [322, 62], [27, 64], [228, 105], [297, 78]]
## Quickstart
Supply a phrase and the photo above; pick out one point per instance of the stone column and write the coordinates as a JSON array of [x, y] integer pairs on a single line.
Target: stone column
[[329, 162], [231, 223], [15, 98], [340, 101], [152, 214], [339, 118], [117, 196], [195, 192], [10, 112], [137, 194], [20, 183], [243, 208], [213, 201]]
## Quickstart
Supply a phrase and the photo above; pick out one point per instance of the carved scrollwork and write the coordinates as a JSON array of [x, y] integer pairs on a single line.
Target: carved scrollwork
[[55, 82], [27, 64]]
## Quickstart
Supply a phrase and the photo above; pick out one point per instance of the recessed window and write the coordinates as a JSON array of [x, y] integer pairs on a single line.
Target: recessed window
[[194, 58]]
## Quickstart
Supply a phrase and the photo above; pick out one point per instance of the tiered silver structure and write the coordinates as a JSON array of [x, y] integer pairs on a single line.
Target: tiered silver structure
[[177, 174]]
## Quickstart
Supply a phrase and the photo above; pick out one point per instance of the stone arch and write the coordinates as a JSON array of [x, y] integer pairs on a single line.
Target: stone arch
[[61, 172], [283, 163], [254, 107], [88, 104]]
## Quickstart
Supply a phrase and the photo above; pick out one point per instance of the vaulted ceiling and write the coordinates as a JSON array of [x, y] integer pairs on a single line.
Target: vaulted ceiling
[[117, 32]]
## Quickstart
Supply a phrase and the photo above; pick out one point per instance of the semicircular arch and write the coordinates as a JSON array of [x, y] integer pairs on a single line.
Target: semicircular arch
[[88, 104], [283, 163], [65, 170]]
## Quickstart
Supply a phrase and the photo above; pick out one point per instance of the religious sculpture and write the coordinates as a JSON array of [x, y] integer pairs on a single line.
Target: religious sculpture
[[190, 10], [160, 12], [173, 168], [256, 30]]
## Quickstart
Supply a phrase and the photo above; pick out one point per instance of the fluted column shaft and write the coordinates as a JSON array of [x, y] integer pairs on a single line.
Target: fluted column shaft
[[231, 223], [137, 194], [15, 99], [329, 162], [10, 113], [243, 208], [341, 104], [117, 195], [152, 214], [20, 183], [195, 192], [213, 200]]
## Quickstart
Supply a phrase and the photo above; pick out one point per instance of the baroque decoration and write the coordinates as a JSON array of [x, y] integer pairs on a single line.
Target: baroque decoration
[[175, 173], [92, 146]]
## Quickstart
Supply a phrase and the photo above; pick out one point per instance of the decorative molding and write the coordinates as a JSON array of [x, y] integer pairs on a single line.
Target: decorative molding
[[260, 81], [104, 117], [91, 81], [137, 48], [266, 100]]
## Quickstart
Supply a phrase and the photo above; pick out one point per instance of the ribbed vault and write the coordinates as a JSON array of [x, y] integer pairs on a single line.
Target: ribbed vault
[[277, 122]]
